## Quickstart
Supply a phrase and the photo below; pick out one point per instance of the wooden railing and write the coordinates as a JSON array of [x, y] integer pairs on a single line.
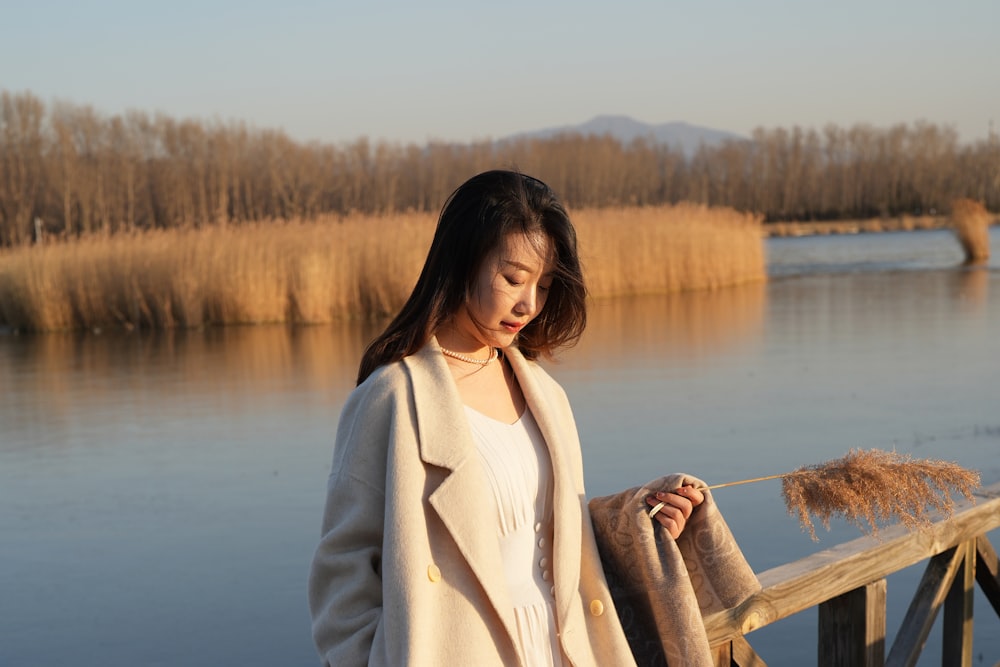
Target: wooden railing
[[848, 584]]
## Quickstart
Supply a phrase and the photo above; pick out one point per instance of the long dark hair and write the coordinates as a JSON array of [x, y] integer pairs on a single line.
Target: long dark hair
[[477, 218]]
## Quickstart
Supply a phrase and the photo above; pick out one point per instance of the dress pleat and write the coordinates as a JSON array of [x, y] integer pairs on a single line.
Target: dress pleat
[[519, 471]]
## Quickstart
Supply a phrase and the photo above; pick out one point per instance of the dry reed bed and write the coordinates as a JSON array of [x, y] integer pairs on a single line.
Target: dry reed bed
[[652, 250], [314, 272], [971, 223]]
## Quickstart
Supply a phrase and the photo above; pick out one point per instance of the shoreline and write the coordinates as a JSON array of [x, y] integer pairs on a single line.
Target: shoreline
[[905, 223], [860, 226]]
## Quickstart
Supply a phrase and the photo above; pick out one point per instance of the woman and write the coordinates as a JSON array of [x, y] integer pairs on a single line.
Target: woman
[[456, 529]]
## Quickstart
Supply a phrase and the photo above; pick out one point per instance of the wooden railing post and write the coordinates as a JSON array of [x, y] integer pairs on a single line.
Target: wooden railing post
[[923, 609], [957, 645], [737, 653], [852, 628], [988, 572]]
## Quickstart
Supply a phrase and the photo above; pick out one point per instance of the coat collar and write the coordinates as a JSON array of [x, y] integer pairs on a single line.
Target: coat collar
[[445, 441]]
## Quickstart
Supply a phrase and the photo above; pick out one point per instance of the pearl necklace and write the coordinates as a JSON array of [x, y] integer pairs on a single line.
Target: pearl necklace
[[471, 360]]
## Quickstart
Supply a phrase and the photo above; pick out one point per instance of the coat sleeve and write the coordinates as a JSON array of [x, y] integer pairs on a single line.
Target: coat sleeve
[[345, 581]]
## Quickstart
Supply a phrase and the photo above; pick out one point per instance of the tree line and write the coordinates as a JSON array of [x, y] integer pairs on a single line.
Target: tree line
[[66, 169]]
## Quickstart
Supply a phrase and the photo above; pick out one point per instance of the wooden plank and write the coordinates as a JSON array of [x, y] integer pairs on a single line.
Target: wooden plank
[[790, 588], [736, 653], [923, 608], [852, 628], [744, 655], [722, 655], [988, 571], [956, 648]]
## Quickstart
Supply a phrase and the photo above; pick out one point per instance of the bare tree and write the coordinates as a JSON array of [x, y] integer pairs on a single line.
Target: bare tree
[[81, 172]]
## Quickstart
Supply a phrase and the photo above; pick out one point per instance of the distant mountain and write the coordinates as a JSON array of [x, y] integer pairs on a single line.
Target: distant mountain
[[683, 136]]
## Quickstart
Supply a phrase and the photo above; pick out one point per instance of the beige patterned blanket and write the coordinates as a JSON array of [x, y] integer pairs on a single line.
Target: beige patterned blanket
[[662, 587]]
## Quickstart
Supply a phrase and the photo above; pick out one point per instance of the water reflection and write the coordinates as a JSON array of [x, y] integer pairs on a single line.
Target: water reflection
[[905, 305], [637, 331], [58, 379], [201, 456], [243, 358], [58, 384], [974, 289]]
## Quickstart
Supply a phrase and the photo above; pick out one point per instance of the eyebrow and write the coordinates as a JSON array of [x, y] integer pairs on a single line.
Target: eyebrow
[[523, 267]]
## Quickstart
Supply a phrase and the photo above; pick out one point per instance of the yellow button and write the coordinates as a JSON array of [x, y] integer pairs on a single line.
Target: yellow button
[[433, 572], [596, 607]]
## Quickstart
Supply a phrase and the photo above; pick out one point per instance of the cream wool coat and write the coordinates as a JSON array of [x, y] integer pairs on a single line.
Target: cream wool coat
[[408, 570]]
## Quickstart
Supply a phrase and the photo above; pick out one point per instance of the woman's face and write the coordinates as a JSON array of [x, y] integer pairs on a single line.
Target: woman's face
[[510, 290]]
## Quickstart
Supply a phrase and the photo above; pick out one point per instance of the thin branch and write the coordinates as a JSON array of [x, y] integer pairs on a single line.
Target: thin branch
[[743, 481]]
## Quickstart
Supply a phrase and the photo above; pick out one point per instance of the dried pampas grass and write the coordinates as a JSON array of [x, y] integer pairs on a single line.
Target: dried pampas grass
[[868, 487]]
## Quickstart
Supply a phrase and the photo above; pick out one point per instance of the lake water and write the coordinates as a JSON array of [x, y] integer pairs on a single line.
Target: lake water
[[160, 494]]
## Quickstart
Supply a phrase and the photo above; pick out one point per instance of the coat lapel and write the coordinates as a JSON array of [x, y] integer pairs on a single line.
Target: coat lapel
[[566, 503], [445, 441]]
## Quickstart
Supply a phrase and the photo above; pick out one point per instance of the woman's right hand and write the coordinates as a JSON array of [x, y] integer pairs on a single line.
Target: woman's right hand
[[675, 508]]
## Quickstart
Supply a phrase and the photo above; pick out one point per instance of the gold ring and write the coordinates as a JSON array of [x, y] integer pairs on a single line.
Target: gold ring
[[656, 508]]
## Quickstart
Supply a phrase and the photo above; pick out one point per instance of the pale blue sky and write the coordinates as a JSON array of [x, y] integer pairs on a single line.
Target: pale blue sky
[[450, 70]]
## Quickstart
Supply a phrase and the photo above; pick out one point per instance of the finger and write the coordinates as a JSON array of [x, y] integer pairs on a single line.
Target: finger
[[691, 493], [662, 507], [670, 517], [675, 500], [671, 514], [673, 525]]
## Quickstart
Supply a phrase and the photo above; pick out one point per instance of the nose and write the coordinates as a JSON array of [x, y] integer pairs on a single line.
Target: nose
[[527, 301]]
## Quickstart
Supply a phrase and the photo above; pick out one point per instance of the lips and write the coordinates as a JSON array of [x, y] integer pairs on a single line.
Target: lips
[[512, 327]]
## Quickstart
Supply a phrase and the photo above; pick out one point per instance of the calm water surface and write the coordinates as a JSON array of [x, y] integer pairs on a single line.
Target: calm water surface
[[160, 495]]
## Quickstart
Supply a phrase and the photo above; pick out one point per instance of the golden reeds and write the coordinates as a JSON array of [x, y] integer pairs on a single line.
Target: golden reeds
[[655, 250], [331, 269], [971, 223], [868, 487], [279, 272]]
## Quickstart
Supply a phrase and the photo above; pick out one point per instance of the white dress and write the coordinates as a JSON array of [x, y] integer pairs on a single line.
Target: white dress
[[519, 470]]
